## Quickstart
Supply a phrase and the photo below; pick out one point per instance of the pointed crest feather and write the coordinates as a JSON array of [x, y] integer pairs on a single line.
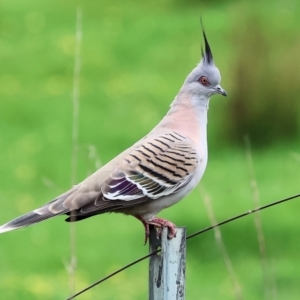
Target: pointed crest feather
[[207, 55]]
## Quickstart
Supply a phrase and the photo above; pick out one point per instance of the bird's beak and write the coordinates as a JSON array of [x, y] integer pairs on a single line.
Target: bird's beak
[[220, 90]]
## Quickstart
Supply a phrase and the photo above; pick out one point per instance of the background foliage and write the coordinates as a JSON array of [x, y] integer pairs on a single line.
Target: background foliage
[[135, 56]]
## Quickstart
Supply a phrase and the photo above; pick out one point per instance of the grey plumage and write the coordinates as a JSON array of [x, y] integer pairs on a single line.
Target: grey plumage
[[156, 172]]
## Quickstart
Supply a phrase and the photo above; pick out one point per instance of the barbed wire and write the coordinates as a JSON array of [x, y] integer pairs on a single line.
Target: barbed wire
[[251, 211]]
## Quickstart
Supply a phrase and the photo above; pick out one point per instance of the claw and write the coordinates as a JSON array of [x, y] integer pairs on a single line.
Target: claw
[[159, 223]]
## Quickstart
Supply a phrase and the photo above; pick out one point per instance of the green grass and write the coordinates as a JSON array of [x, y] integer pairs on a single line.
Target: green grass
[[135, 57]]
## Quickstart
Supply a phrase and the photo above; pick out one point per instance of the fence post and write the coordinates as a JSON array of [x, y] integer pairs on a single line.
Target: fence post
[[167, 268]]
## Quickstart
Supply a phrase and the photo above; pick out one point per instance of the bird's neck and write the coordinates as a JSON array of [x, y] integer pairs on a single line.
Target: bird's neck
[[187, 116]]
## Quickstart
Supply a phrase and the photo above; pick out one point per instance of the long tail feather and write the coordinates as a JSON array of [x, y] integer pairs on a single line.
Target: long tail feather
[[25, 220], [51, 209]]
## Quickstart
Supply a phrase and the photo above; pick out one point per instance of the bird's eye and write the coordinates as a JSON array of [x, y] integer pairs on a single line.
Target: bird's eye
[[203, 80]]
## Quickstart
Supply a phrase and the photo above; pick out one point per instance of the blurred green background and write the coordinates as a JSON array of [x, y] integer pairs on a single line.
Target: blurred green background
[[134, 57]]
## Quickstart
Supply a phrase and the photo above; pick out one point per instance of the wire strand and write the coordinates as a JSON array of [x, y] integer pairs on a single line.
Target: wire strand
[[249, 212], [113, 274]]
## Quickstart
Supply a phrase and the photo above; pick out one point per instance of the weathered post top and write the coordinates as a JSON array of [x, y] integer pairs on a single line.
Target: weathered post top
[[167, 268]]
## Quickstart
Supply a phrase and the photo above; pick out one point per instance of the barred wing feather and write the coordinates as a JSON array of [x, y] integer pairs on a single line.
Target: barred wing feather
[[157, 168]]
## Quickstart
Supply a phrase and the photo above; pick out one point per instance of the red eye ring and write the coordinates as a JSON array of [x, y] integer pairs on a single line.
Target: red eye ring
[[203, 80]]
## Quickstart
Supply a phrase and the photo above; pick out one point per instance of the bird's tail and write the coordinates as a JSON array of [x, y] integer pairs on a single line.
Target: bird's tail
[[49, 210], [25, 220]]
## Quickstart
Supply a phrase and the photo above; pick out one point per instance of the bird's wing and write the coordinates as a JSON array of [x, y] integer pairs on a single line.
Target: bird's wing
[[156, 168]]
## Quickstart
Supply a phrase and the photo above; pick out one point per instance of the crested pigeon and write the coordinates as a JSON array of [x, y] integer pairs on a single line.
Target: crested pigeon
[[153, 174]]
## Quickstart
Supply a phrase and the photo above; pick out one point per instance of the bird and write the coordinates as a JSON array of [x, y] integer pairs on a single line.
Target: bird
[[156, 172]]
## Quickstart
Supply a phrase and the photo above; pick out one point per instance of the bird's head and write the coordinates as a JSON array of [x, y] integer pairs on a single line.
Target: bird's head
[[204, 80]]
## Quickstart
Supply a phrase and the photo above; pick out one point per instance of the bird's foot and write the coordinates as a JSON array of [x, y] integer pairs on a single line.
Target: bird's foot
[[158, 223]]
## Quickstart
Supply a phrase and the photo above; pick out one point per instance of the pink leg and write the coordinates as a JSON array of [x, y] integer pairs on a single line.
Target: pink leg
[[158, 223], [146, 226]]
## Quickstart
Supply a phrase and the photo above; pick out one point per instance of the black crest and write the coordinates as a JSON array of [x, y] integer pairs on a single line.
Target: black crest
[[207, 55]]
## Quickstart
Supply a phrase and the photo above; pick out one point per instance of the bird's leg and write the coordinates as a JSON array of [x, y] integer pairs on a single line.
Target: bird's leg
[[146, 226], [159, 223]]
